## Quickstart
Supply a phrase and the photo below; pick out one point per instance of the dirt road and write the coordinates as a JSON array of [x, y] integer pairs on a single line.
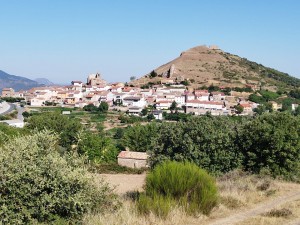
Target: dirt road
[[125, 182], [259, 209]]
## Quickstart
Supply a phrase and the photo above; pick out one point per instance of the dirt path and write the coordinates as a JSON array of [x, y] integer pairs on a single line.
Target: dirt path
[[294, 222], [125, 182], [260, 209]]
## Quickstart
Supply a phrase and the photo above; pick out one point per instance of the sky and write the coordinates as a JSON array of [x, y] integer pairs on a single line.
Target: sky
[[65, 40]]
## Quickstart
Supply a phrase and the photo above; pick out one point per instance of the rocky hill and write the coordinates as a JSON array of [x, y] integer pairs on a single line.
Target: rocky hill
[[16, 82], [204, 66], [44, 81]]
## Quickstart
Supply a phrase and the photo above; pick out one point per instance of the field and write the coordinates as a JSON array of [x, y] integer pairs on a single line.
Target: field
[[245, 199]]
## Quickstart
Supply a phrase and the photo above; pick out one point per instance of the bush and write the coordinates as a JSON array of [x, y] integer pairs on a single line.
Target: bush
[[271, 142], [97, 148], [138, 137], [67, 128], [209, 142], [174, 183], [39, 185]]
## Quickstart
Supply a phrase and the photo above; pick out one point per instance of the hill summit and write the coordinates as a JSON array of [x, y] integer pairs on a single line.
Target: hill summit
[[15, 82], [209, 65]]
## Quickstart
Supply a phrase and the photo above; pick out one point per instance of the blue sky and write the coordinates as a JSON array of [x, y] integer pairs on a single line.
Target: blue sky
[[66, 40]]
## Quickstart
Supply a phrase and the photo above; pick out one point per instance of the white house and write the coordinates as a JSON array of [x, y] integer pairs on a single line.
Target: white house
[[180, 99], [163, 104], [134, 101], [37, 101]]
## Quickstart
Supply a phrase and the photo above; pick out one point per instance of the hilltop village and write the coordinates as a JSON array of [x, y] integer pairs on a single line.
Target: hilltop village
[[168, 95]]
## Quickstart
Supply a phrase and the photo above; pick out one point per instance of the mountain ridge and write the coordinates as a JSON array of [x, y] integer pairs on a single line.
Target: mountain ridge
[[16, 82], [204, 66]]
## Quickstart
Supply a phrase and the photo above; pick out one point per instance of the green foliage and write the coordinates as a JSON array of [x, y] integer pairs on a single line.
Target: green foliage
[[150, 117], [270, 73], [98, 148], [269, 95], [4, 117], [174, 183], [144, 112], [26, 114], [114, 167], [38, 185], [265, 107], [185, 83], [90, 108], [119, 133], [209, 142], [212, 88], [66, 128], [272, 142], [7, 133], [245, 89], [173, 106], [239, 109], [130, 119], [138, 137], [103, 107], [257, 99], [287, 104], [177, 116], [266, 96], [11, 99], [295, 93], [153, 74]]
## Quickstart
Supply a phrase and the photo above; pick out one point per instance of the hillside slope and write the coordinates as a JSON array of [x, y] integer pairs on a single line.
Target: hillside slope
[[15, 82], [204, 65]]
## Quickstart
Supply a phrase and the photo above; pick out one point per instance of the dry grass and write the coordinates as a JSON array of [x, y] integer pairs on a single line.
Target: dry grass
[[238, 191], [284, 214]]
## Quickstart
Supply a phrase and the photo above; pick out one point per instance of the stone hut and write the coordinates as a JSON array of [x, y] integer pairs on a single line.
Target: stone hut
[[133, 159]]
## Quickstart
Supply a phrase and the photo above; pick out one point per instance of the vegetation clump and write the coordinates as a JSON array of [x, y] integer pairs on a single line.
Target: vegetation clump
[[172, 184], [39, 185]]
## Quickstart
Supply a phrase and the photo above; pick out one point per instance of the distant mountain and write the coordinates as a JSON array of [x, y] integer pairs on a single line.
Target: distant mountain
[[203, 66], [44, 81], [16, 82]]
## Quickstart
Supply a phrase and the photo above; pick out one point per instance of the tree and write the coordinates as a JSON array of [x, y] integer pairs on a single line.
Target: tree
[[295, 93], [40, 185], [66, 127], [90, 108], [209, 142], [132, 78], [173, 106], [239, 109], [150, 117], [185, 82], [144, 112], [103, 107], [287, 104], [153, 74], [98, 148], [139, 137], [297, 111], [26, 114], [272, 142]]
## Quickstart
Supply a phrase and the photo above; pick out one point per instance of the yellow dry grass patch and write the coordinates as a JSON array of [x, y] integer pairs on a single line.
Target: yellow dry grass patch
[[238, 192], [293, 207]]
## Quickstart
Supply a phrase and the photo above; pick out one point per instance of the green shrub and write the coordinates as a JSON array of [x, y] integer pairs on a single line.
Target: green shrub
[[182, 184], [66, 128], [97, 148], [209, 142], [271, 142], [39, 185]]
